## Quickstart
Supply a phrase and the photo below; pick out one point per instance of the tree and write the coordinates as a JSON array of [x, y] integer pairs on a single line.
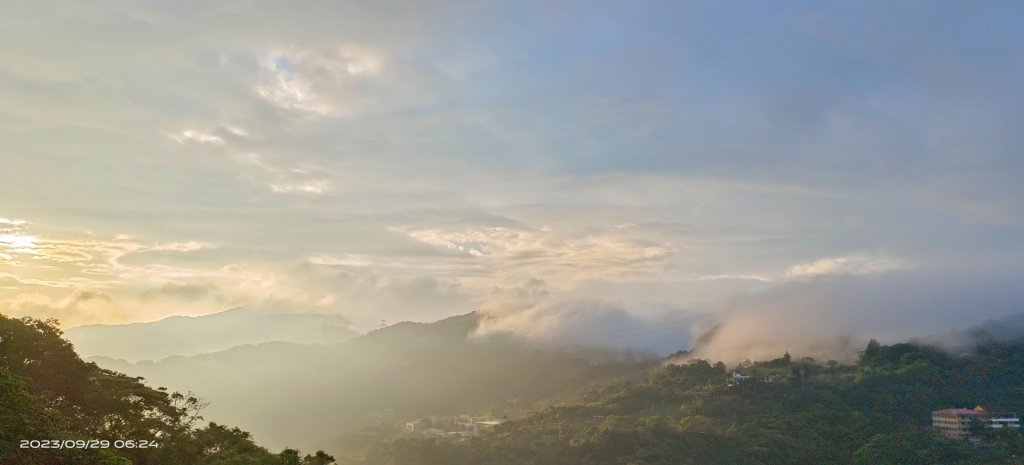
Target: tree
[[320, 458], [23, 416], [976, 427], [47, 392], [288, 457], [872, 350]]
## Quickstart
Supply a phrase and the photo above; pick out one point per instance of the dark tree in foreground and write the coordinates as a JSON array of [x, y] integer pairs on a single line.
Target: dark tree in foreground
[[48, 393]]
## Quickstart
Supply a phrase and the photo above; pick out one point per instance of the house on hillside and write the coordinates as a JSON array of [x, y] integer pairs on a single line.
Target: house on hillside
[[1003, 420], [415, 426], [434, 433], [487, 425], [470, 428], [955, 423]]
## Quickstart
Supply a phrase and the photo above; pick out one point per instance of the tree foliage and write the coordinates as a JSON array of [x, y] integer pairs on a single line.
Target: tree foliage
[[790, 411], [47, 393]]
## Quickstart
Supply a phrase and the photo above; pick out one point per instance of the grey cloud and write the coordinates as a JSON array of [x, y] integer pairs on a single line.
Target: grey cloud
[[80, 306], [365, 295], [182, 292], [83, 296]]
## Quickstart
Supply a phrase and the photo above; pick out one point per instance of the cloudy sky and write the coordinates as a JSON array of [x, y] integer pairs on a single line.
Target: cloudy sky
[[411, 160]]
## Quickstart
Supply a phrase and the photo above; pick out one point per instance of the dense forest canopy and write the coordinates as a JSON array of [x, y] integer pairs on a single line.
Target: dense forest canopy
[[784, 411]]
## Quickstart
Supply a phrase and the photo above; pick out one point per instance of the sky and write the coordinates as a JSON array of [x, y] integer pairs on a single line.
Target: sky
[[600, 160]]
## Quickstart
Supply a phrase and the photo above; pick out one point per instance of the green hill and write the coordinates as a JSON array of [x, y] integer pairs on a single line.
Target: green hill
[[784, 411], [305, 395], [788, 411]]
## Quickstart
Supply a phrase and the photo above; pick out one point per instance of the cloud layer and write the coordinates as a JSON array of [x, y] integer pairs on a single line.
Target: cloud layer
[[832, 317], [396, 161]]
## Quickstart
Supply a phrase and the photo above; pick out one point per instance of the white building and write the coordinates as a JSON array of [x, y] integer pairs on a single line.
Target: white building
[[414, 426], [955, 423], [1003, 420]]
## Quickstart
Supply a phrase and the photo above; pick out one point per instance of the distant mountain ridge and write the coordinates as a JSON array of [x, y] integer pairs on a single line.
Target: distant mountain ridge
[[411, 369], [186, 335]]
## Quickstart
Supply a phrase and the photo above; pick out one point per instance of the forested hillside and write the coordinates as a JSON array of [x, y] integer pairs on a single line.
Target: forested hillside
[[308, 394], [786, 411], [50, 398], [789, 410]]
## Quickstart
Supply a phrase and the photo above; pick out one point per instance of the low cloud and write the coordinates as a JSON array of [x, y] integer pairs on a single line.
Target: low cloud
[[834, 316], [366, 296], [534, 313], [78, 307]]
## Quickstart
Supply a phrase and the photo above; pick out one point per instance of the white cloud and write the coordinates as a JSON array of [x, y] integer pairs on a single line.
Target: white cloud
[[294, 92], [237, 131], [557, 256], [18, 243], [740, 277], [356, 260], [198, 137], [317, 80], [851, 264], [835, 315], [186, 246], [433, 142], [311, 187], [10, 222], [306, 179]]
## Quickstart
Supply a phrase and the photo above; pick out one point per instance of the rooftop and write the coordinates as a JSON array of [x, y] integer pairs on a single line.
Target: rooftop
[[958, 411]]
